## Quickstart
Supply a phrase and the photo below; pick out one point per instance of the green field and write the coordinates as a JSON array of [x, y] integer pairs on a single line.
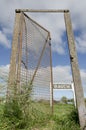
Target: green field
[[39, 118]]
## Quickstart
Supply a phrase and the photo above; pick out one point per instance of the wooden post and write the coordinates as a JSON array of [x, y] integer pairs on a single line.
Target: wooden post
[[19, 57], [74, 96], [75, 72], [13, 67], [51, 96], [51, 83], [39, 61]]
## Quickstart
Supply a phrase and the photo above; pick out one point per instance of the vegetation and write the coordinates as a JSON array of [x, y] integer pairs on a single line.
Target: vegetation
[[12, 117], [64, 100], [21, 113]]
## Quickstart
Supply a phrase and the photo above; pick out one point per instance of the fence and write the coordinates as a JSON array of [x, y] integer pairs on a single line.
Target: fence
[[31, 62], [3, 81], [31, 66]]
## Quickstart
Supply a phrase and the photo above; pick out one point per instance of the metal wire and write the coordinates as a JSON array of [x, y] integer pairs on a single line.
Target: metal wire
[[33, 61], [3, 83]]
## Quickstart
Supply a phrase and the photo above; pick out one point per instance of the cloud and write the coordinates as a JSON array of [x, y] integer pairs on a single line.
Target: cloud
[[4, 40], [81, 43], [78, 13], [7, 31], [55, 28], [53, 23], [83, 77], [4, 70], [62, 74]]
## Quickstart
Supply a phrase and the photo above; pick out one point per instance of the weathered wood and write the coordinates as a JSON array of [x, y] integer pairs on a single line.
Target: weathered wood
[[12, 71], [42, 11], [19, 56], [75, 72], [51, 83], [39, 61]]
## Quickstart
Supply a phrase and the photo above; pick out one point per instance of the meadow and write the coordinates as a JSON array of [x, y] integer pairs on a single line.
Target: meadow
[[37, 116]]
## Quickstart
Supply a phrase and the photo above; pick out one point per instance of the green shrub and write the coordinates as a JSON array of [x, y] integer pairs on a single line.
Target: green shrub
[[73, 116], [12, 112], [21, 112]]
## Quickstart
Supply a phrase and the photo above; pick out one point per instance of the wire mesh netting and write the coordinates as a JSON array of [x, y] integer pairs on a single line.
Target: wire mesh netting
[[3, 81], [33, 64]]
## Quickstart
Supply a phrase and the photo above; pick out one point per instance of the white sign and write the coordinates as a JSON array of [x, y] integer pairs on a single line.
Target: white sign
[[62, 86]]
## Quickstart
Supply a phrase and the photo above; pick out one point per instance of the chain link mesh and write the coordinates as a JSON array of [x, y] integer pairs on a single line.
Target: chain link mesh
[[3, 81], [33, 70]]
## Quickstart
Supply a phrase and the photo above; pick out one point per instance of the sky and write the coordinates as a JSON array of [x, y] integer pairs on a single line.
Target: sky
[[55, 24]]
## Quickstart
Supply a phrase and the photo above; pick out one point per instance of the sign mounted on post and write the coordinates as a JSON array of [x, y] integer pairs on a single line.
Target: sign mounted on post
[[65, 86], [62, 86]]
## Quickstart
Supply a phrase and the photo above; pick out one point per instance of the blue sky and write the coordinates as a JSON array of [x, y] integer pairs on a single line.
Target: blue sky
[[55, 24]]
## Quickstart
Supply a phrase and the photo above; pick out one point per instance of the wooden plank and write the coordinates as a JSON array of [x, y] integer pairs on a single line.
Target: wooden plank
[[12, 71], [42, 11], [75, 72]]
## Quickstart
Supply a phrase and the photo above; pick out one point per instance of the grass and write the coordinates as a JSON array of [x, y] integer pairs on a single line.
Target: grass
[[38, 117], [64, 118], [62, 109]]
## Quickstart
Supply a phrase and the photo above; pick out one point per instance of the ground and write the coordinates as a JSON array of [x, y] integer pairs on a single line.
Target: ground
[[62, 119]]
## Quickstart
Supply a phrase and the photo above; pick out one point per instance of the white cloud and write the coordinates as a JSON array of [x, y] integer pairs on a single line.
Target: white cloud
[[4, 40], [50, 22], [7, 31], [62, 74], [81, 43], [4, 70], [53, 23], [83, 76], [56, 26], [78, 13]]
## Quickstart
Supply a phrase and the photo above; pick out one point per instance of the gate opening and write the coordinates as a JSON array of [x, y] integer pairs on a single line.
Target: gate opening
[[31, 63]]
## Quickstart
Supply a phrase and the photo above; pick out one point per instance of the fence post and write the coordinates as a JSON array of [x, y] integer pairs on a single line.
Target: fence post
[[51, 83], [75, 72], [14, 53], [74, 96]]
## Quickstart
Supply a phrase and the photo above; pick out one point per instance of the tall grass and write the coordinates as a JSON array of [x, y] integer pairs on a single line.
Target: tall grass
[[13, 118], [23, 113]]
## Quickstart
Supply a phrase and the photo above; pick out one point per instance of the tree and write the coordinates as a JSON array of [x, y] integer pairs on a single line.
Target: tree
[[64, 99]]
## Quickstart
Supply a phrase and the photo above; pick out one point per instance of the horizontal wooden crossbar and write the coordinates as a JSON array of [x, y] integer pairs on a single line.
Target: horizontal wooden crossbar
[[42, 10]]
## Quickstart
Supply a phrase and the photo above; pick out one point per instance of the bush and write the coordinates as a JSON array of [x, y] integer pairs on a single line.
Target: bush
[[64, 100], [73, 116], [14, 115]]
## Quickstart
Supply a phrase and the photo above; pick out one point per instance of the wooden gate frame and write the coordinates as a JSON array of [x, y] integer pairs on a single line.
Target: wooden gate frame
[[72, 53]]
